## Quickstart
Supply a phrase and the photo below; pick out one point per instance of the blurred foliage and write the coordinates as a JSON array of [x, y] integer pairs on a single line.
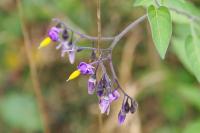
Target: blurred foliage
[[172, 106]]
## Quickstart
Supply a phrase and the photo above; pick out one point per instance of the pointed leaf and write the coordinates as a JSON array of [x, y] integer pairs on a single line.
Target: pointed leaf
[[192, 49], [161, 28]]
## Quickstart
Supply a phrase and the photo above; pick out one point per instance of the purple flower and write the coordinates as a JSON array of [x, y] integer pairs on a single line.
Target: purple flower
[[104, 104], [114, 95], [121, 117], [54, 33], [92, 84], [86, 68]]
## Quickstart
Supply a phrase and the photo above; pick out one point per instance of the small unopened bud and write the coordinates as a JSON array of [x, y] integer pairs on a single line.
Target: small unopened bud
[[133, 107], [65, 35], [121, 117], [126, 106]]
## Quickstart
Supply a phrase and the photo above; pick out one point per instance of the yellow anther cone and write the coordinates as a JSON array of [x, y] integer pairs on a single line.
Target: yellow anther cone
[[74, 75], [45, 42]]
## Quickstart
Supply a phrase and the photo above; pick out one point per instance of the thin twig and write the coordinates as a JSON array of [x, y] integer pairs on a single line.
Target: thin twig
[[82, 35], [127, 29], [34, 76]]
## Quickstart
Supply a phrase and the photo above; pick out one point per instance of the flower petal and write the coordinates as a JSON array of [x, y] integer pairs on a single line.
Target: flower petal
[[104, 104]]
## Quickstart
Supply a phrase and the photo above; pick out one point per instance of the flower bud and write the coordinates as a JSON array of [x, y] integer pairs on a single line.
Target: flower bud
[[133, 107], [65, 34], [121, 117], [126, 106]]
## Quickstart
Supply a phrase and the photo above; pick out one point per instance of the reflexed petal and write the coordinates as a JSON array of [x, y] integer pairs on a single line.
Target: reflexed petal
[[59, 46], [45, 42], [71, 55], [74, 75], [133, 107]]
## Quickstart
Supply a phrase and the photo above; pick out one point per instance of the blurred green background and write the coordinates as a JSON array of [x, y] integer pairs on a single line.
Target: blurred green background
[[169, 102]]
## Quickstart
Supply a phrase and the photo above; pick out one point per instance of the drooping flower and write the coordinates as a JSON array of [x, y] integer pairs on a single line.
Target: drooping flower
[[104, 104], [86, 68], [114, 95], [92, 84], [121, 117]]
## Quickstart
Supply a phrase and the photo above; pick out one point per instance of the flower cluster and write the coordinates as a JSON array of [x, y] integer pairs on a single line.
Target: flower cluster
[[99, 81]]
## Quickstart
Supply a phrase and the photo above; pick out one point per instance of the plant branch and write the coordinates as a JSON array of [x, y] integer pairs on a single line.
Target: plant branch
[[127, 29], [82, 35]]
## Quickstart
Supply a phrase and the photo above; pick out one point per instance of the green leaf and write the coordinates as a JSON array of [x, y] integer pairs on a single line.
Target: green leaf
[[178, 46], [161, 28], [144, 3], [192, 49], [182, 5]]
